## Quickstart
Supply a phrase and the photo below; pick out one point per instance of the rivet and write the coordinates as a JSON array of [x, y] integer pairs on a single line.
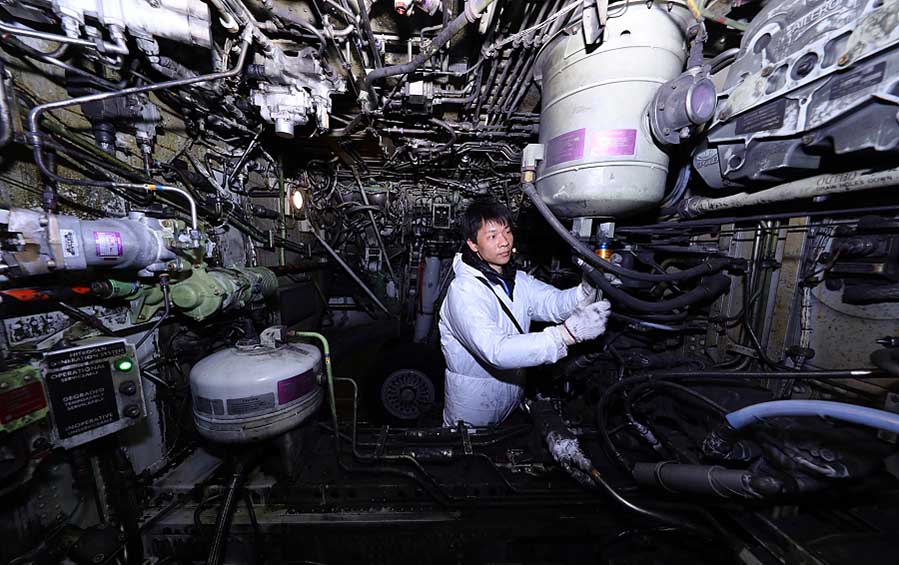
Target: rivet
[[843, 60]]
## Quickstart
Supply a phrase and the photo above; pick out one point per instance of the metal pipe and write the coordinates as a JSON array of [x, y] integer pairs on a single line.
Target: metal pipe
[[839, 183], [374, 225], [35, 137], [103, 46], [194, 221], [350, 272]]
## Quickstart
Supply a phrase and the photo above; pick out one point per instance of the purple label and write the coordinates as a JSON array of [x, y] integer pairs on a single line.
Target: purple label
[[613, 142], [108, 243], [566, 147], [294, 387]]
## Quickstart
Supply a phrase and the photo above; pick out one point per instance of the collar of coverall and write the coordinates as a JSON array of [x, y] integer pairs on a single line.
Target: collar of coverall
[[505, 280]]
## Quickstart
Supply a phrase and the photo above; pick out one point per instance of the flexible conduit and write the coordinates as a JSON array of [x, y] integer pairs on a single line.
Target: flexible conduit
[[862, 415]]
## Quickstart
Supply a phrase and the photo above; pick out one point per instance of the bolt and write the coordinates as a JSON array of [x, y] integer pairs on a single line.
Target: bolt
[[808, 139], [43, 221], [666, 131], [132, 410], [51, 264], [40, 444], [99, 558], [843, 60], [767, 70]]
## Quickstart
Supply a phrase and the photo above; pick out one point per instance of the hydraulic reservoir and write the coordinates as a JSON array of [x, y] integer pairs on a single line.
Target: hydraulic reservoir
[[256, 391], [600, 157]]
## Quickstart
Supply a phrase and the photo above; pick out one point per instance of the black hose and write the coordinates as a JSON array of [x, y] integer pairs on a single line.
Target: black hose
[[887, 360], [708, 288], [712, 265], [226, 512], [865, 294], [369, 38], [84, 317], [6, 127], [444, 37], [452, 140], [723, 59]]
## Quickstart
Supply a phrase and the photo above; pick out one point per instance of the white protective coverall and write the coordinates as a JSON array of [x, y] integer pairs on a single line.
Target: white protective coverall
[[485, 354]]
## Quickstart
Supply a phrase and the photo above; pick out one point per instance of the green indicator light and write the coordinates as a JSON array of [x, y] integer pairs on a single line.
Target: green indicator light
[[124, 365]]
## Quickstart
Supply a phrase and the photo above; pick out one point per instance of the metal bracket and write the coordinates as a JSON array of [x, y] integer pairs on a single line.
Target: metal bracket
[[382, 441], [466, 440]]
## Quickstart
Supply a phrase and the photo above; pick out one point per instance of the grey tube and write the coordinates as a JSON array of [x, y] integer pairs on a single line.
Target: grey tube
[[472, 12], [862, 415], [103, 47], [840, 183], [6, 127]]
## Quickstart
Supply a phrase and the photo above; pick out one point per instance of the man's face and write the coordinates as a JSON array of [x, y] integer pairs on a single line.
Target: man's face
[[494, 244]]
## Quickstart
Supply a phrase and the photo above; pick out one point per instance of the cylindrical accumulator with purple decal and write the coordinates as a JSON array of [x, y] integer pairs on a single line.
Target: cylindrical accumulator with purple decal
[[600, 157], [255, 391]]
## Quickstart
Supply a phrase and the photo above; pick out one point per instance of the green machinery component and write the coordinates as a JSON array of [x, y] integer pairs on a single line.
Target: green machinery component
[[201, 294], [22, 400]]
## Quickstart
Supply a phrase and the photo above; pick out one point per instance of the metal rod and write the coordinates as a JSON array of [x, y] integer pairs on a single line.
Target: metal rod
[[374, 226], [243, 158], [103, 47], [350, 272]]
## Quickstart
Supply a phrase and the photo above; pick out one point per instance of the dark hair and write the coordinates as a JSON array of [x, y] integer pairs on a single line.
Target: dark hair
[[480, 212]]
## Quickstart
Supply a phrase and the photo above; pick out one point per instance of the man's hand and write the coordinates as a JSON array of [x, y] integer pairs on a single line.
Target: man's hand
[[586, 294], [587, 322]]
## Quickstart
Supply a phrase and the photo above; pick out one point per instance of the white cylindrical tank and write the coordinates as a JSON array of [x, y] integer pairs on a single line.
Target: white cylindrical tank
[[254, 392], [600, 157]]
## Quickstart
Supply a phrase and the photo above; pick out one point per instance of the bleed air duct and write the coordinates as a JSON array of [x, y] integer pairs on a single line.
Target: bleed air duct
[[600, 158]]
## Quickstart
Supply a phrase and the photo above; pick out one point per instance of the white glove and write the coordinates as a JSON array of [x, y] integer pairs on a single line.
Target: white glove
[[586, 293], [587, 322]]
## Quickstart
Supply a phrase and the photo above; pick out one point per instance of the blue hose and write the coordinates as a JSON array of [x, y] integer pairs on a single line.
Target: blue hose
[[871, 417]]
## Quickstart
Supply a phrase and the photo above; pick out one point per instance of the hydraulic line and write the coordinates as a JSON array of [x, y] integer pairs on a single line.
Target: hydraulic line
[[708, 289], [473, 10], [369, 37], [35, 137], [226, 512], [118, 48], [820, 185], [708, 267]]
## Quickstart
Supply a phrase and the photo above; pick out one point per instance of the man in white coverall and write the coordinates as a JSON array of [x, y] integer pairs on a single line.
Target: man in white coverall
[[486, 350]]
